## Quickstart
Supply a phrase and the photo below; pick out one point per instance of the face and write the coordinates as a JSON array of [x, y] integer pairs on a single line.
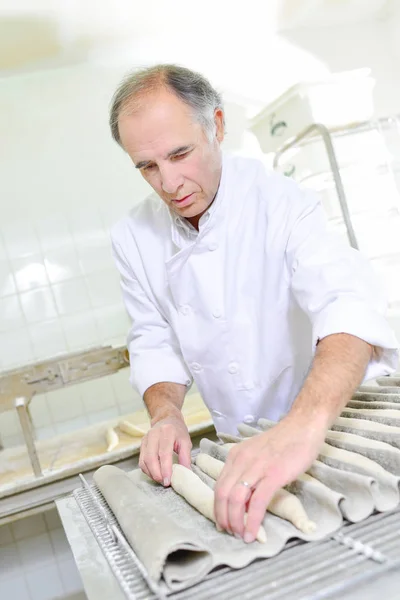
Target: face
[[173, 153]]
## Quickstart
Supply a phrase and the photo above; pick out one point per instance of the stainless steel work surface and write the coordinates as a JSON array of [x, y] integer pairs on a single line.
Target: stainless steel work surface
[[333, 568]]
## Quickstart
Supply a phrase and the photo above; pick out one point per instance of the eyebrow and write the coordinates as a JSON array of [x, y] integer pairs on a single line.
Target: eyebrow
[[180, 150]]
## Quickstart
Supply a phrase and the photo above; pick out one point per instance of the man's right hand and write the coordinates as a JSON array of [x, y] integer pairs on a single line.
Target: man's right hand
[[166, 436]]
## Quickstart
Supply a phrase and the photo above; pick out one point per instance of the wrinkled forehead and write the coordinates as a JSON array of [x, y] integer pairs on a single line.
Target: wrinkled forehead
[[153, 129]]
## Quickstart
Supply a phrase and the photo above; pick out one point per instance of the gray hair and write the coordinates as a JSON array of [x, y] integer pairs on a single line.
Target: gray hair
[[191, 87]]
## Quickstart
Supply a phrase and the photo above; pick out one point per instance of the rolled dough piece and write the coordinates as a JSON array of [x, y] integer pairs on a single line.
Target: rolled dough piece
[[373, 414], [363, 442], [369, 389], [211, 466], [289, 507], [283, 503], [392, 380], [373, 404], [377, 397], [188, 485], [228, 438], [352, 458], [364, 425], [112, 439], [131, 429]]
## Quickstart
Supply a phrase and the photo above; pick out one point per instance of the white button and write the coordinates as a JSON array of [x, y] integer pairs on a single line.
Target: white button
[[212, 246], [248, 419], [196, 366], [216, 413], [233, 368], [217, 314], [185, 310]]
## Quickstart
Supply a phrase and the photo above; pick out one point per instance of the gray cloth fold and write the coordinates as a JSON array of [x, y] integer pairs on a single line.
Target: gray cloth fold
[[369, 429], [374, 389], [380, 395], [154, 531], [375, 404], [386, 416], [356, 473], [178, 546]]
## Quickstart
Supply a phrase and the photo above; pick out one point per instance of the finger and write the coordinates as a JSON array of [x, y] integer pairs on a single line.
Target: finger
[[236, 507], [183, 449], [151, 456], [235, 465], [142, 463], [259, 501], [166, 447], [145, 470], [228, 478]]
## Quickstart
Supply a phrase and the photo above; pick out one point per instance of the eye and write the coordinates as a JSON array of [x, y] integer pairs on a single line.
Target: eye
[[178, 156], [148, 168]]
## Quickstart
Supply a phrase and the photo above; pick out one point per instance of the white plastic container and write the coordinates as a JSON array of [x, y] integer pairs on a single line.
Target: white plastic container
[[342, 99]]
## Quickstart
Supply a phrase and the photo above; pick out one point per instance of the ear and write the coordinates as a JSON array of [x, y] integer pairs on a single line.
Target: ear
[[219, 124]]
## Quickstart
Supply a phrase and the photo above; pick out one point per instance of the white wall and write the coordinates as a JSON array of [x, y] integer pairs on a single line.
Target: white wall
[[370, 44], [64, 182]]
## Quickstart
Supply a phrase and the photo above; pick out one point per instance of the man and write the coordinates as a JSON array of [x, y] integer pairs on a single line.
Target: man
[[231, 279]]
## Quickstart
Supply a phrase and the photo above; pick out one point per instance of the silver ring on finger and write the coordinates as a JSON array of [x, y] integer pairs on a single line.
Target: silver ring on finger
[[246, 484]]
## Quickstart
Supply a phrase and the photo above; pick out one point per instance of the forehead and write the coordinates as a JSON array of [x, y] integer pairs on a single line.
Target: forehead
[[158, 122]]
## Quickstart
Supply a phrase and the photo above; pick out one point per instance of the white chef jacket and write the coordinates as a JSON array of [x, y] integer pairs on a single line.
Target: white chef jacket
[[240, 305]]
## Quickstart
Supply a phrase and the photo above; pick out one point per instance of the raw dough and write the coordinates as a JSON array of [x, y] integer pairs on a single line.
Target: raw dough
[[355, 439], [373, 412], [373, 404], [112, 439], [283, 504], [289, 507], [131, 429], [363, 424], [188, 485], [211, 466], [352, 458]]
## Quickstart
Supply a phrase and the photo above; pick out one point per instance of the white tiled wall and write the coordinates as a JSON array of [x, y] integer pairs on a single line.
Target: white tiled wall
[[64, 183], [36, 562]]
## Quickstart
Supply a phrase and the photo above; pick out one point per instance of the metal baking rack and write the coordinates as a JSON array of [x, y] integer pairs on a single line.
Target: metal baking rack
[[302, 571]]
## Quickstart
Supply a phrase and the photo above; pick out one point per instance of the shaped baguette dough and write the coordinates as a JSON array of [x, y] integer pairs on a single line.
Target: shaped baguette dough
[[371, 412], [197, 493], [364, 424], [352, 458], [283, 504], [354, 439], [112, 439], [131, 429], [373, 405]]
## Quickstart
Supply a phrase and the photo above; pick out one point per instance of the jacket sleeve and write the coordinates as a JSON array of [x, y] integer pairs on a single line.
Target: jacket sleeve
[[336, 286], [153, 347]]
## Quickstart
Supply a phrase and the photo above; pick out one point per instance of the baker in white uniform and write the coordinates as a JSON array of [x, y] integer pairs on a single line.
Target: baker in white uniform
[[232, 280]]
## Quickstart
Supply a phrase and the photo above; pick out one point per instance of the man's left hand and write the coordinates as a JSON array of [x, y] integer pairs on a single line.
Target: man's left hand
[[257, 468]]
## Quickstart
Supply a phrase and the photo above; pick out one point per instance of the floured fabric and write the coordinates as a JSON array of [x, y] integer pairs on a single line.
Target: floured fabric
[[369, 429], [374, 389], [178, 546], [374, 403], [357, 472], [380, 396], [382, 453], [386, 416]]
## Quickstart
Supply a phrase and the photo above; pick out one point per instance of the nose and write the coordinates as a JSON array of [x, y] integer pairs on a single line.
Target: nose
[[171, 178]]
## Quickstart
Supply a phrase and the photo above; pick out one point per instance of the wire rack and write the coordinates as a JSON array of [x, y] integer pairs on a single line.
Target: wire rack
[[303, 571]]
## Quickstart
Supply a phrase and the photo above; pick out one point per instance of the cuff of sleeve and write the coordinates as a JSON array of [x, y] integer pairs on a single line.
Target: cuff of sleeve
[[358, 319], [150, 368]]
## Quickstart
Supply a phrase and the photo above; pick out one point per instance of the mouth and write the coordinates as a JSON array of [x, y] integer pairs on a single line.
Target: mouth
[[183, 201]]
